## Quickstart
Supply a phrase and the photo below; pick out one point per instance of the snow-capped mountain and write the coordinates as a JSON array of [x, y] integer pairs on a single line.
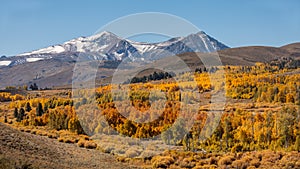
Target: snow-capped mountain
[[108, 46], [54, 66]]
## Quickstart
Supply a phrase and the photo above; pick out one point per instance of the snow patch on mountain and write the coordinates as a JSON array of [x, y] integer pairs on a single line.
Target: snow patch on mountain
[[33, 59], [49, 50], [144, 47], [5, 63]]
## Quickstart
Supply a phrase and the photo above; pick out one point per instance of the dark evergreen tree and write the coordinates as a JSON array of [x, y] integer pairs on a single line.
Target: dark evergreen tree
[[198, 70], [144, 79], [34, 87], [135, 80], [155, 76], [39, 110], [16, 113], [188, 141], [28, 107], [5, 119], [21, 115], [150, 77], [166, 75], [161, 75]]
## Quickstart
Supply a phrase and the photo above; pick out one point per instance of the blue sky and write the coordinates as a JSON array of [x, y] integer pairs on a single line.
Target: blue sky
[[33, 24]]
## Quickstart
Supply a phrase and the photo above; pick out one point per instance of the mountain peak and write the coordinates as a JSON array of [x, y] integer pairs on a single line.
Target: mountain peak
[[201, 33], [104, 34], [113, 47]]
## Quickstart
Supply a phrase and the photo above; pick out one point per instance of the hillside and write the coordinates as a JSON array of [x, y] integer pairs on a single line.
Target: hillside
[[19, 150]]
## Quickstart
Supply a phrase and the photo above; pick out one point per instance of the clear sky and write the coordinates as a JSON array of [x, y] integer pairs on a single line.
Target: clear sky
[[26, 25]]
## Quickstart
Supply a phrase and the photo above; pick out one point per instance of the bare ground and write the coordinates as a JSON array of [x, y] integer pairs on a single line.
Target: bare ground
[[24, 150]]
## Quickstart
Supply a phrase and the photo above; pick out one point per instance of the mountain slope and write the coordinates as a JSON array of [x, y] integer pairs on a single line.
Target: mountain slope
[[25, 150], [53, 66], [58, 71], [108, 46]]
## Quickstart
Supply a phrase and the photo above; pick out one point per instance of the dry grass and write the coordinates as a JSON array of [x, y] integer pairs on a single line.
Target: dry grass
[[27, 130], [6, 163], [68, 140], [41, 133], [52, 135], [226, 160], [33, 132], [62, 136], [90, 145], [133, 152], [187, 163], [240, 164], [262, 159], [147, 154], [60, 139], [81, 143], [206, 166], [128, 147], [162, 161]]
